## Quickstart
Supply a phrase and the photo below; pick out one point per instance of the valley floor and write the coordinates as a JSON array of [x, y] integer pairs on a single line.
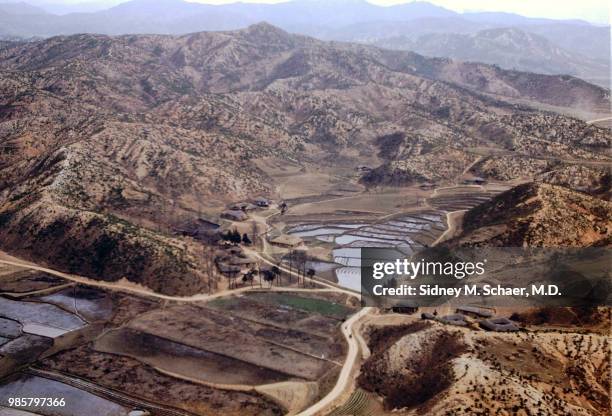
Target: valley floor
[[264, 348]]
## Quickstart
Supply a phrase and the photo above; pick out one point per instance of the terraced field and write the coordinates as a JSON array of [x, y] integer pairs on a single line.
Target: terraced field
[[177, 358], [91, 304], [407, 232], [361, 403], [460, 198], [244, 340]]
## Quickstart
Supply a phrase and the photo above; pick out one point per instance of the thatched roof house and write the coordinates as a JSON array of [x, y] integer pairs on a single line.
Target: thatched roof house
[[287, 241], [406, 310], [427, 315], [228, 269], [199, 228], [234, 215], [475, 311], [262, 202], [242, 206], [499, 325], [427, 186], [454, 319], [241, 261]]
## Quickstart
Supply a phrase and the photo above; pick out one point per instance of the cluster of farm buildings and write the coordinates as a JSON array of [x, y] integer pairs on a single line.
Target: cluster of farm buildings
[[467, 316]]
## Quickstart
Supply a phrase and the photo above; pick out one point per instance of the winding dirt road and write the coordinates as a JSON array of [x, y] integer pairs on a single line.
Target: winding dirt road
[[350, 328], [128, 287], [344, 378], [120, 286]]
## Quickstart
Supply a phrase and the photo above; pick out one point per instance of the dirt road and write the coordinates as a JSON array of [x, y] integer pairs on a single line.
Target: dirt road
[[128, 287], [351, 360], [122, 285], [435, 192], [453, 219], [347, 328], [471, 165]]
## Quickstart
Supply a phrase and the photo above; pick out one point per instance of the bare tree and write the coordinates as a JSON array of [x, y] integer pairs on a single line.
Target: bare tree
[[277, 274], [300, 260], [268, 276], [208, 265], [289, 257], [249, 276], [254, 233], [310, 273], [205, 271], [232, 275], [160, 218], [303, 263], [259, 274]]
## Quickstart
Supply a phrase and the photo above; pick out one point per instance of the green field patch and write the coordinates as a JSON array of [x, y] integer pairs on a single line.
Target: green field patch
[[307, 304], [224, 303]]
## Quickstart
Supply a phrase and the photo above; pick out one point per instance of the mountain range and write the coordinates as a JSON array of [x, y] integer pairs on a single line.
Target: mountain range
[[570, 47], [107, 142], [507, 47]]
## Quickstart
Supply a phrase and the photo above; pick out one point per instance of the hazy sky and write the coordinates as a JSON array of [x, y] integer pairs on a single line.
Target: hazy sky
[[592, 10]]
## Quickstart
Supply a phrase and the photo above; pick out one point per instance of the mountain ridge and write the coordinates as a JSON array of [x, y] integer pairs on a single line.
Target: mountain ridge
[[509, 48], [397, 26]]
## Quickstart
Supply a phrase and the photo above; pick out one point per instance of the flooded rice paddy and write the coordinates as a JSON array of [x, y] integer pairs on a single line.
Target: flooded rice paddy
[[407, 233], [40, 314], [90, 303]]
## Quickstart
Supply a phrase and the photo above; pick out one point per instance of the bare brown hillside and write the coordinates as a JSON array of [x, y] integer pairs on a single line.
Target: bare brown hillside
[[462, 371], [539, 215]]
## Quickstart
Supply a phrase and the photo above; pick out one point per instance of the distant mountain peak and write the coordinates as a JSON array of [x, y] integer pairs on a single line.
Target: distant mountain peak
[[20, 9], [264, 31], [264, 26]]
